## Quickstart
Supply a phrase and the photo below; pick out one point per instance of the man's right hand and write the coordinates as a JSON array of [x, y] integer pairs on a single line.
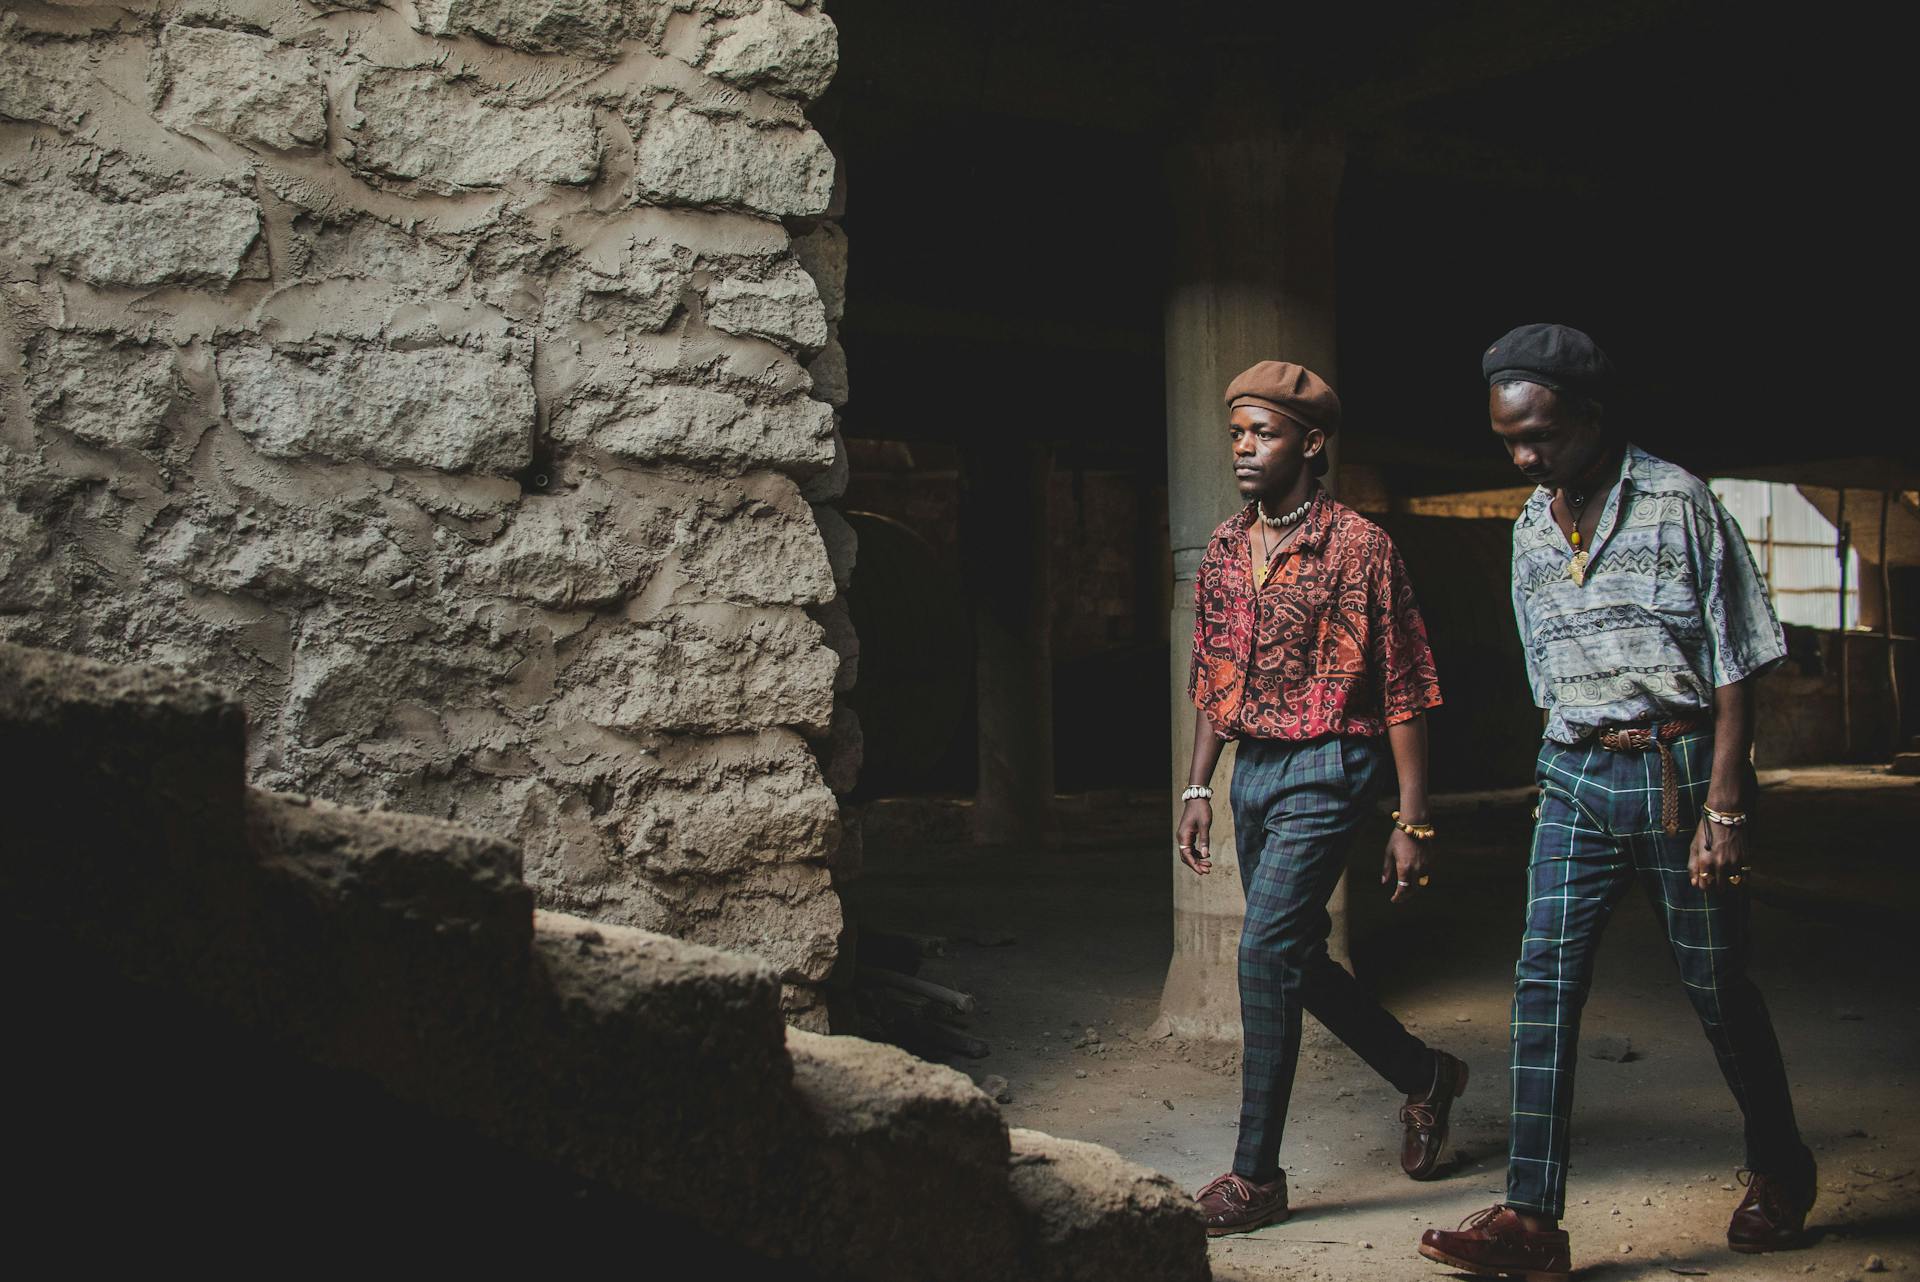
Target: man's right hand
[[1196, 823]]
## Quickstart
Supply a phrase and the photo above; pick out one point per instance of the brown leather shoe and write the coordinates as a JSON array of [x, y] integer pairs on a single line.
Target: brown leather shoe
[[1425, 1117], [1773, 1214], [1494, 1244], [1234, 1204]]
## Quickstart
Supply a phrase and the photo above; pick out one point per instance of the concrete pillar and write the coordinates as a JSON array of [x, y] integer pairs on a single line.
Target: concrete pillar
[[1252, 280], [1005, 528]]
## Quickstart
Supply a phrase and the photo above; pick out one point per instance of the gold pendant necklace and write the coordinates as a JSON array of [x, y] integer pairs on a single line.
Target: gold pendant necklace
[[1577, 567]]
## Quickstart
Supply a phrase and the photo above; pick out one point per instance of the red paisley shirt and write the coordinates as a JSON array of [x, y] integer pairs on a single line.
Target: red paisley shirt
[[1332, 643]]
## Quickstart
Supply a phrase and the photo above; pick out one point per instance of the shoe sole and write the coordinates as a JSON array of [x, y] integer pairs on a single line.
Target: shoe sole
[[1274, 1218], [1795, 1243], [1489, 1271], [1440, 1140]]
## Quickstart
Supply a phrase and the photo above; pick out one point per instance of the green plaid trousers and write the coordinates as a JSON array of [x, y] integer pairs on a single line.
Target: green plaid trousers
[[1599, 830], [1295, 808]]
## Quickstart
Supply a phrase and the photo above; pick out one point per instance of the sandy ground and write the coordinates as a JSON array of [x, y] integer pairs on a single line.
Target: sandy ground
[[1657, 1136]]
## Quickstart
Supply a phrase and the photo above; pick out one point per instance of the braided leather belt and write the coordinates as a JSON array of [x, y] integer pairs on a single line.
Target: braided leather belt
[[1640, 739]]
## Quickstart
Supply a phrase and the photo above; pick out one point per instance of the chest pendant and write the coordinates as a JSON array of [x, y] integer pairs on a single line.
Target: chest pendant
[[1577, 567]]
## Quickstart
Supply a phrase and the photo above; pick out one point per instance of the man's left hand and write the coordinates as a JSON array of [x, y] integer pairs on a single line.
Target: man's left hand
[[1718, 852], [1406, 864]]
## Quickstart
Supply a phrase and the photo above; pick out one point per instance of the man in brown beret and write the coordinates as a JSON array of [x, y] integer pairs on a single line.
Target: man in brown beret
[[1309, 651]]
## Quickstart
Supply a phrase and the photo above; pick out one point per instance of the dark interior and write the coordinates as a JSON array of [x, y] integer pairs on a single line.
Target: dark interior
[[1688, 182]]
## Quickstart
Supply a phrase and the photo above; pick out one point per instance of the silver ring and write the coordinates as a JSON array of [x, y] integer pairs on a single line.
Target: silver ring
[[1403, 883], [1183, 847]]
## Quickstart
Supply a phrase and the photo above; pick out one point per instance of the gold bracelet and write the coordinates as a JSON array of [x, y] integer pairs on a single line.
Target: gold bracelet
[[1419, 832]]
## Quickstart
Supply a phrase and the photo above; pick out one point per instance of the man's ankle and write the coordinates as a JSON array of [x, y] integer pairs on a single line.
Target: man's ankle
[[1533, 1222]]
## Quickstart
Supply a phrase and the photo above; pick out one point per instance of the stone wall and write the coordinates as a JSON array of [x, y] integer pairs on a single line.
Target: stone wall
[[455, 380]]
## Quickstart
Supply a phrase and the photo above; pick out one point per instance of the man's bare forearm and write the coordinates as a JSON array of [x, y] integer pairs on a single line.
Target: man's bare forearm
[[1732, 746], [1408, 740], [1207, 746]]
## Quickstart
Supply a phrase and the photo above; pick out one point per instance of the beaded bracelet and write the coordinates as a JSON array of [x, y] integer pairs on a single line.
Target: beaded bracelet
[[1419, 832], [1725, 818]]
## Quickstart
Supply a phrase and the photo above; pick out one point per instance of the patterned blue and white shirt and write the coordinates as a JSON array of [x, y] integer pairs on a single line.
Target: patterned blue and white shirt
[[1672, 606]]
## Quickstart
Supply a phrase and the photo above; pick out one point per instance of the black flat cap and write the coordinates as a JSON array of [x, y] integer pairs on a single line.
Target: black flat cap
[[1554, 356]]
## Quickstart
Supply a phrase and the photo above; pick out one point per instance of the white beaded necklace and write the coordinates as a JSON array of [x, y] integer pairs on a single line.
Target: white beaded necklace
[[1281, 522]]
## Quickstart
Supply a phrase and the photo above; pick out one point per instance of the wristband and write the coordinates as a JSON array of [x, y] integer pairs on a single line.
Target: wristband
[[1419, 832]]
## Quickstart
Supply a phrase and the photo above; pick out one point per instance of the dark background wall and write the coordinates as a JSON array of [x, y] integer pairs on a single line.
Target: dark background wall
[[1697, 186]]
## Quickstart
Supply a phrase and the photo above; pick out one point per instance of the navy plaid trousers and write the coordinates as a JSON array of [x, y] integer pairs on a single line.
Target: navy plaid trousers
[[1295, 808], [1599, 830]]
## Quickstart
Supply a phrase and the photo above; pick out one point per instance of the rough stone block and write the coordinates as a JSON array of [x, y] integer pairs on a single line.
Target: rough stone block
[[369, 249], [453, 408], [905, 1159], [829, 371], [843, 545], [822, 252], [1089, 1215], [711, 671], [804, 1007], [585, 28], [49, 82], [767, 549], [360, 675], [418, 126], [684, 157], [105, 391], [779, 49], [292, 559], [239, 84], [837, 621], [702, 425], [783, 307], [777, 811], [830, 484], [841, 749], [191, 237], [555, 551], [786, 914]]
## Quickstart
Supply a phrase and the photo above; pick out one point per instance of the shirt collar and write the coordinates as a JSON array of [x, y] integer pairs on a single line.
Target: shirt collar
[[1636, 468]]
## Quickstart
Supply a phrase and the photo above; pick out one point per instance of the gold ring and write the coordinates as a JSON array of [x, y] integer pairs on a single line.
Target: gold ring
[[1733, 879], [1424, 879]]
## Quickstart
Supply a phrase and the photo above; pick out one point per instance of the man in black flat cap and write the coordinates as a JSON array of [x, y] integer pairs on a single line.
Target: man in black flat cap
[[1644, 623]]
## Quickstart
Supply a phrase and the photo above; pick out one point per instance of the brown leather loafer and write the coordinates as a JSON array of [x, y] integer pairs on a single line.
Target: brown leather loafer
[[1425, 1117], [1235, 1204], [1773, 1214], [1494, 1244]]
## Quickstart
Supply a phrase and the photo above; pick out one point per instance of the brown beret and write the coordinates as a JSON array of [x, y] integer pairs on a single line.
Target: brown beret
[[1293, 390]]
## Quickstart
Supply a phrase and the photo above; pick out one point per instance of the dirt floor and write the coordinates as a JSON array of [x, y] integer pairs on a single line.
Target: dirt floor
[[1066, 1006]]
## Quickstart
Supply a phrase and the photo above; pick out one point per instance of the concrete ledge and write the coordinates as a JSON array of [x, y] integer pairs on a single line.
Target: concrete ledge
[[389, 944], [398, 961], [655, 1065], [1089, 1215], [901, 1166]]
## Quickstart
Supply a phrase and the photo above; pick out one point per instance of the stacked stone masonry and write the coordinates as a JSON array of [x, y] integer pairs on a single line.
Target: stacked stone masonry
[[455, 380], [405, 954]]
